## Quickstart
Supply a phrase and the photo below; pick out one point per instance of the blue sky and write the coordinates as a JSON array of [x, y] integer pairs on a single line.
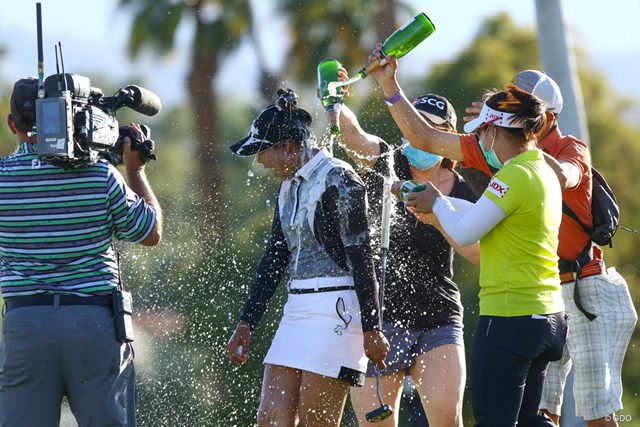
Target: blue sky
[[93, 34]]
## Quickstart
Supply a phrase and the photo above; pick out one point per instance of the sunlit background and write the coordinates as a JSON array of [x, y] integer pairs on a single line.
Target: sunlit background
[[214, 64]]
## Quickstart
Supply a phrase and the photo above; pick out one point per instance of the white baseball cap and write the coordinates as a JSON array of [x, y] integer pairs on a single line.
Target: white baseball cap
[[542, 86]]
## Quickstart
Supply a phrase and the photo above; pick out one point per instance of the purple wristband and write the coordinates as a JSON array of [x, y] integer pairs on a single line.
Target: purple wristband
[[395, 98]]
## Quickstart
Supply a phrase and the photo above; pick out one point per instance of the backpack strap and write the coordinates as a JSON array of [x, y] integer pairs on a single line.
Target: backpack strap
[[586, 254], [567, 210], [576, 267], [581, 260], [576, 296]]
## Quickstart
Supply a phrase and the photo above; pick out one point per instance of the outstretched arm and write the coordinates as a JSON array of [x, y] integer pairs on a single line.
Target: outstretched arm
[[413, 126], [362, 147]]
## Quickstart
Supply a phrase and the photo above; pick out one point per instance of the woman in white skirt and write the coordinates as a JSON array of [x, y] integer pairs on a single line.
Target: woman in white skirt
[[331, 321]]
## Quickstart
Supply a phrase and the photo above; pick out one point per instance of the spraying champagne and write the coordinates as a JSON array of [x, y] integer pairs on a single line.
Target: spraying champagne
[[384, 411], [398, 44]]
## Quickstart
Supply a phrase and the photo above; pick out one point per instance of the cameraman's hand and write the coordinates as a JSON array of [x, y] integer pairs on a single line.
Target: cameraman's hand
[[132, 160], [239, 342], [137, 181]]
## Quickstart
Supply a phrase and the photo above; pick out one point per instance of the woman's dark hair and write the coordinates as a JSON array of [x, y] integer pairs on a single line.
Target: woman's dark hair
[[294, 124], [286, 101], [448, 164], [528, 110]]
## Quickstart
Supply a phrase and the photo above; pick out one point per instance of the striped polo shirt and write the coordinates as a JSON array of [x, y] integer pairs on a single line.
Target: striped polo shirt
[[57, 225]]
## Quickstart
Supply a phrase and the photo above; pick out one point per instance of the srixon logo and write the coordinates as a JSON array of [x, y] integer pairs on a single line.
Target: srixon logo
[[498, 187]]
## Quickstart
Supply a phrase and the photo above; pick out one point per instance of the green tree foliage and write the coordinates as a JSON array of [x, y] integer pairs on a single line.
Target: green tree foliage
[[218, 28], [7, 140], [346, 30]]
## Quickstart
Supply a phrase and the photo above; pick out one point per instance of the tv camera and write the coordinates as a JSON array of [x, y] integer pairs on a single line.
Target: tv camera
[[76, 124]]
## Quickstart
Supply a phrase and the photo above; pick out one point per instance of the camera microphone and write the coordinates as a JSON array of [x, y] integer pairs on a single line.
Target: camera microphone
[[141, 100]]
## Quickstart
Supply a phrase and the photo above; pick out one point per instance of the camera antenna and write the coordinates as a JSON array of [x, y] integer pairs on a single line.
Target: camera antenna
[[61, 77], [40, 54]]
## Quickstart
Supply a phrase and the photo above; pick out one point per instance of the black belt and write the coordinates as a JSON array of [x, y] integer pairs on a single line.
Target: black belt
[[298, 291], [31, 300]]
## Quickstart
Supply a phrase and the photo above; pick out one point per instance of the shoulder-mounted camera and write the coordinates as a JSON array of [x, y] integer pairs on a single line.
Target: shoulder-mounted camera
[[76, 124]]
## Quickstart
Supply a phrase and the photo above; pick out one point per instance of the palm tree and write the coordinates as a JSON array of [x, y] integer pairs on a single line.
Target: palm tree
[[218, 28], [346, 30]]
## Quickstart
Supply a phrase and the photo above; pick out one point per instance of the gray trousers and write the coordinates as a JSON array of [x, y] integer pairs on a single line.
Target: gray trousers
[[47, 352]]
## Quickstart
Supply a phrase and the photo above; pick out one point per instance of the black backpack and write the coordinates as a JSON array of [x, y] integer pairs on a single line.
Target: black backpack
[[604, 209], [606, 221], [605, 213]]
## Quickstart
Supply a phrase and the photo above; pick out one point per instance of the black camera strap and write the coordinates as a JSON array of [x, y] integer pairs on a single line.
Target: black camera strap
[[119, 287], [122, 308]]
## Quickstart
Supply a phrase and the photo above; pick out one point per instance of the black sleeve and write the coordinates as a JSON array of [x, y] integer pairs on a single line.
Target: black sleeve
[[269, 272], [462, 189], [476, 179], [351, 209], [364, 278]]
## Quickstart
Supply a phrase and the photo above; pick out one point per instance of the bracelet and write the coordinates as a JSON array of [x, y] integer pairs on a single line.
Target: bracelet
[[395, 98]]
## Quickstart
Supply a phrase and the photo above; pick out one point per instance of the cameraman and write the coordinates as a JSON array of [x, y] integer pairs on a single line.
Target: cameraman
[[59, 270]]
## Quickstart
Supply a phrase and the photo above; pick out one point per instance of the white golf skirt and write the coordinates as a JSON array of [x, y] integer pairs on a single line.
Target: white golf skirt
[[321, 332]]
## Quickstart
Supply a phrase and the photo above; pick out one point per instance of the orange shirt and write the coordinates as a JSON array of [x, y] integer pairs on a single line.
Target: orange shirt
[[565, 149]]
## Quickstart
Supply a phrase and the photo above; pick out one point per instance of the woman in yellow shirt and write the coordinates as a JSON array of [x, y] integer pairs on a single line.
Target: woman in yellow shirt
[[522, 326]]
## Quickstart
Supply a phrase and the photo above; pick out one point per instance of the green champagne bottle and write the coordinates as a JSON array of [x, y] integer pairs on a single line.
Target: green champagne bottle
[[331, 97], [403, 40], [328, 72]]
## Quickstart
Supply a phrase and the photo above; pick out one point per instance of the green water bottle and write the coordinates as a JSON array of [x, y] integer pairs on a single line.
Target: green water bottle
[[331, 99], [410, 187], [403, 40]]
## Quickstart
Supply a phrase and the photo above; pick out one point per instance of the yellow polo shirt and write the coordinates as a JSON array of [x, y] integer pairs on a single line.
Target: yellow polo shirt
[[518, 257]]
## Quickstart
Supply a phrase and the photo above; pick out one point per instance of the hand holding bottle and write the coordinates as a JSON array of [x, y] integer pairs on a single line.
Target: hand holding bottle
[[385, 75], [343, 76], [402, 41], [331, 98], [421, 202], [327, 73]]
